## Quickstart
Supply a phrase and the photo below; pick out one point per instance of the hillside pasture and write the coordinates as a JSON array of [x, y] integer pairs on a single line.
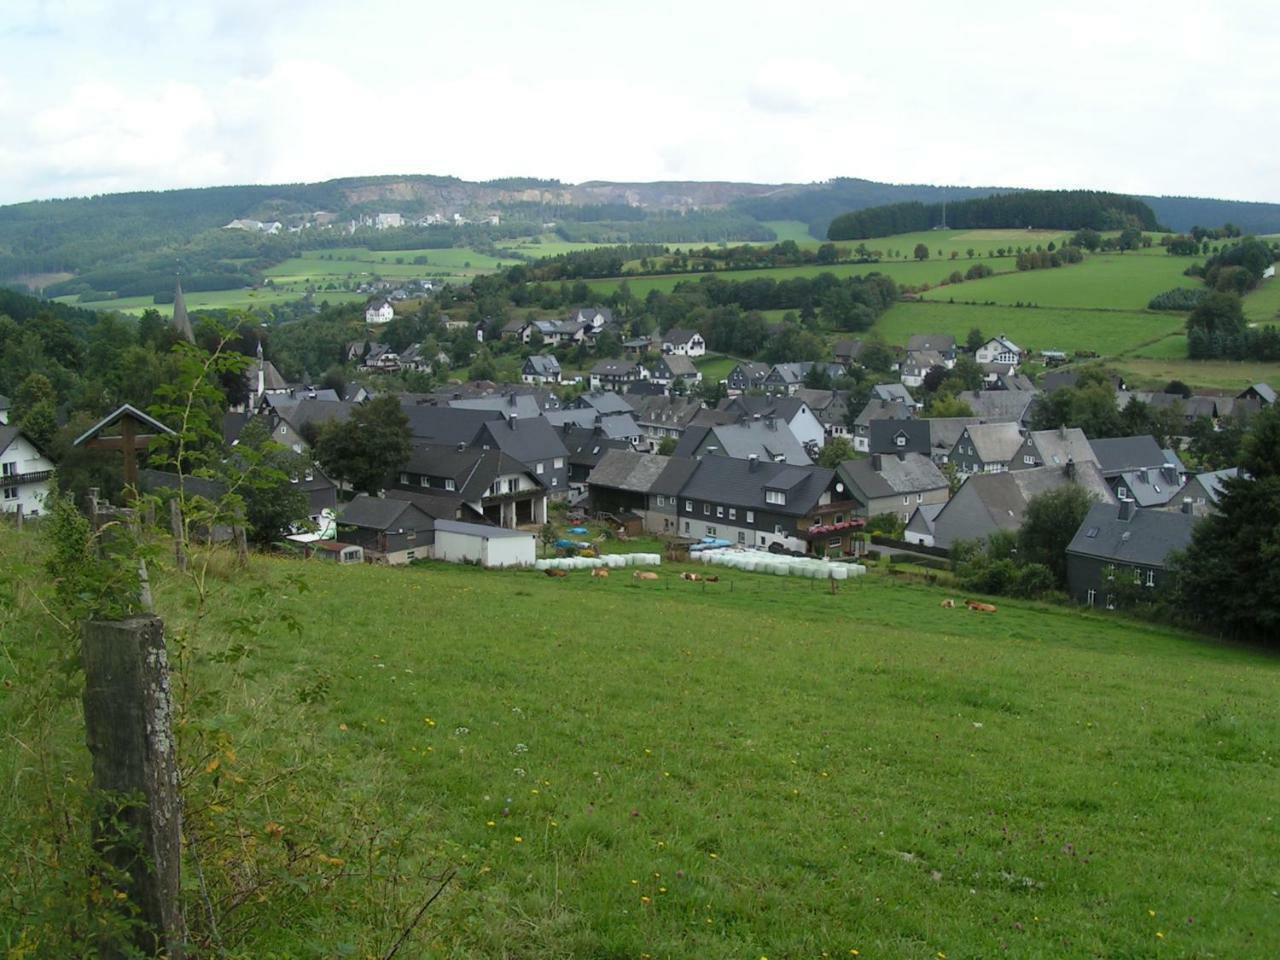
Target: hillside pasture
[[1106, 332], [1228, 376], [753, 768], [942, 243], [243, 299], [1113, 281]]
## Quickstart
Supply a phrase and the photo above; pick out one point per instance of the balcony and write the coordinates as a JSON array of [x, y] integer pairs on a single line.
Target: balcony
[[17, 479]]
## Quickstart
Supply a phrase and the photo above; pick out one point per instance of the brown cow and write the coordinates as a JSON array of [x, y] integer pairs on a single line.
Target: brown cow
[[694, 577], [980, 607], [711, 579], [948, 604], [644, 575], [599, 572], [555, 573]]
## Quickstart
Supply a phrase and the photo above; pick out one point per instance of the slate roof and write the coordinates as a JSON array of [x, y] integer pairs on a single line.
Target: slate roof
[[941, 342], [604, 401], [1115, 455], [879, 409], [897, 475], [784, 408], [677, 336], [587, 446], [994, 442], [675, 475], [615, 426], [945, 431], [789, 373], [679, 366], [436, 504], [882, 434], [472, 471], [377, 513], [743, 440], [850, 349], [1211, 483], [1151, 487], [1056, 447], [920, 362], [1146, 538], [446, 425], [729, 481], [299, 412], [616, 368], [485, 531], [521, 405], [629, 470], [893, 392], [754, 373], [666, 411], [997, 405], [525, 440], [542, 366], [1264, 390]]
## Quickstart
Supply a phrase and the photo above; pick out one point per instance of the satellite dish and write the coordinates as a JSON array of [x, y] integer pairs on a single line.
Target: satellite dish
[[839, 488]]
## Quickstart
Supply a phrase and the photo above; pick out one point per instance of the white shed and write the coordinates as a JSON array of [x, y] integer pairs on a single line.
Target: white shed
[[489, 546]]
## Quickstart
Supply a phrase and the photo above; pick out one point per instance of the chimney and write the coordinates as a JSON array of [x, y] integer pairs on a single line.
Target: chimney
[[511, 421], [1062, 432], [753, 461], [875, 462], [1188, 507], [1071, 468], [1126, 509], [1142, 475], [511, 399]]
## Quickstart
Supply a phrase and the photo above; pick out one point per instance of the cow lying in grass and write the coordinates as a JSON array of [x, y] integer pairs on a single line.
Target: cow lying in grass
[[599, 572], [644, 575], [555, 573], [980, 607]]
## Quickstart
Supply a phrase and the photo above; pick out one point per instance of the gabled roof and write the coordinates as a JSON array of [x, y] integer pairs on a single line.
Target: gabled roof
[[435, 504], [680, 366], [994, 442], [1152, 487], [997, 405], [848, 348], [472, 471], [897, 475], [893, 392], [678, 336], [152, 425], [1212, 483], [446, 425], [613, 426], [879, 409], [922, 360], [628, 470], [378, 513], [741, 483], [882, 436], [1115, 455], [1005, 343], [666, 411], [604, 401], [1263, 390], [1147, 537], [789, 373], [1056, 447], [616, 368], [941, 342], [542, 366], [299, 412], [587, 446], [525, 440], [784, 408], [751, 371], [743, 440], [511, 404]]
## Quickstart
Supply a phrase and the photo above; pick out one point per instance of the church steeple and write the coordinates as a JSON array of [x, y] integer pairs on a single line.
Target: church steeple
[[181, 322]]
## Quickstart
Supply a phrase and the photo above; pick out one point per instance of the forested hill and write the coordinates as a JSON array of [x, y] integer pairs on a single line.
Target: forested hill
[[1053, 209]]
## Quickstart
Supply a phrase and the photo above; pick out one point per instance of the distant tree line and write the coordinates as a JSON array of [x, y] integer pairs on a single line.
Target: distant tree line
[[1046, 209]]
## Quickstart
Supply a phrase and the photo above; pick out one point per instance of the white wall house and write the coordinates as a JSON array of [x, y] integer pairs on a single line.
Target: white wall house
[[999, 350], [379, 311], [26, 474], [684, 343]]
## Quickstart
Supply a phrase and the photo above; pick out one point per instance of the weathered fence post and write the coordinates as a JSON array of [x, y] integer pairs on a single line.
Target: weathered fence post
[[17, 516], [175, 527], [242, 547], [135, 771]]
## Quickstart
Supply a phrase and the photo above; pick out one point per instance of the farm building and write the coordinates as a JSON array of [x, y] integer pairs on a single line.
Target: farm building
[[457, 542]]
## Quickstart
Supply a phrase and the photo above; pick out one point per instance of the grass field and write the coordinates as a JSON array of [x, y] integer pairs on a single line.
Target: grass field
[[1107, 332], [244, 299], [942, 243], [1228, 375], [754, 768], [1116, 281], [1263, 305], [715, 367]]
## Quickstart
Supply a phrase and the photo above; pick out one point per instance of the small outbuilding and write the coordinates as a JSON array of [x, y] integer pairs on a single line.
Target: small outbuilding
[[458, 542]]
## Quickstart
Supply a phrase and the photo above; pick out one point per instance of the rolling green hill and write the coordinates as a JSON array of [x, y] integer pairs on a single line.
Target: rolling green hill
[[744, 769]]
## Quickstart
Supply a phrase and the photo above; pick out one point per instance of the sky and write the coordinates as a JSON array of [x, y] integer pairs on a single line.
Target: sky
[[1151, 98]]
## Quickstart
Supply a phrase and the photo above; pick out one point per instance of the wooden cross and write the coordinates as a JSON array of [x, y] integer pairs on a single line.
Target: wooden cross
[[137, 430]]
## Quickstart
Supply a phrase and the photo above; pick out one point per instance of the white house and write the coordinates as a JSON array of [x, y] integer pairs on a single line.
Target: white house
[[26, 474], [457, 542], [384, 221], [684, 343], [999, 350], [379, 311]]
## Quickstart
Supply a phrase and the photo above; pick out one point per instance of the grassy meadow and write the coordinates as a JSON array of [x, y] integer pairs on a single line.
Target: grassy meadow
[[244, 299], [754, 768]]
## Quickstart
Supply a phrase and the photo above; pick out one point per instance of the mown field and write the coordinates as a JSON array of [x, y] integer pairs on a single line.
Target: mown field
[[215, 300], [1107, 332], [754, 768]]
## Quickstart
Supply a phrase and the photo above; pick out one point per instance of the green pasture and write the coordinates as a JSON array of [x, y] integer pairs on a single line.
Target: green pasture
[[747, 769], [1106, 332], [1152, 372], [1263, 304], [715, 367], [942, 243], [243, 299], [1114, 281]]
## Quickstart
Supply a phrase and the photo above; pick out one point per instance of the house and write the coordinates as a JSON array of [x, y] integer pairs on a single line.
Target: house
[[787, 378], [899, 436], [593, 319], [1203, 490], [792, 411], [986, 448], [295, 422], [587, 446], [1000, 350], [767, 506], [533, 442], [746, 376], [990, 502], [558, 332], [614, 426], [625, 481], [1149, 486], [895, 393], [1007, 378], [1041, 448], [847, 352], [379, 312], [943, 344], [768, 439], [331, 551], [663, 417], [831, 407], [877, 409], [540, 369], [1008, 406], [684, 343], [1124, 546], [1262, 393], [919, 528], [490, 484], [893, 483], [389, 531], [604, 402], [616, 374], [483, 545], [674, 367], [1120, 455], [918, 364], [385, 221], [639, 346], [26, 473]]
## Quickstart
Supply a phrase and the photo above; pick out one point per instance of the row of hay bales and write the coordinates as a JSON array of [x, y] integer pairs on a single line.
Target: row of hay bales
[[758, 561], [613, 560]]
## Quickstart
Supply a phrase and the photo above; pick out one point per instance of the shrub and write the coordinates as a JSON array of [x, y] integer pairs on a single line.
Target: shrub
[[1179, 298]]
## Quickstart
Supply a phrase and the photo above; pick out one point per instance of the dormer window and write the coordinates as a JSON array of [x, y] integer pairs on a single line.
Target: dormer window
[[776, 497]]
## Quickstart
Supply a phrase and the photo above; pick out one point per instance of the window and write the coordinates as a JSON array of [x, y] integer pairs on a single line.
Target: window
[[448, 483], [919, 498], [834, 542], [404, 478], [1151, 578], [706, 509], [751, 516], [906, 499], [1137, 576], [538, 468], [11, 493], [900, 440], [659, 499], [688, 505], [1091, 597], [513, 484], [1122, 493], [733, 513], [1028, 459], [555, 481], [557, 463], [410, 554], [686, 526], [711, 531], [11, 468], [720, 511], [775, 496], [742, 536], [426, 482], [1110, 571]]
